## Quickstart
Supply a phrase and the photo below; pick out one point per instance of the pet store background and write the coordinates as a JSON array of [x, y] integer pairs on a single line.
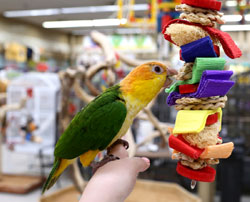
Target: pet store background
[[56, 56]]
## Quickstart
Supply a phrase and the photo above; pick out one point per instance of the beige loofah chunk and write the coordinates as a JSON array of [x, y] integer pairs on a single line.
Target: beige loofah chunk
[[199, 163], [207, 137], [194, 163], [182, 34]]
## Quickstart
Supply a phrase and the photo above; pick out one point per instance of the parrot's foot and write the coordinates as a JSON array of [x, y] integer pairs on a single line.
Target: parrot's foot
[[119, 141], [106, 159]]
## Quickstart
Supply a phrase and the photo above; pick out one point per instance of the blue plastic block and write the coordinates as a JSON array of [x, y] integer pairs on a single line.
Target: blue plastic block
[[200, 48]]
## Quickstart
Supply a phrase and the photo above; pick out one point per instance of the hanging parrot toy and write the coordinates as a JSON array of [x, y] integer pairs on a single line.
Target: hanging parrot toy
[[200, 92]]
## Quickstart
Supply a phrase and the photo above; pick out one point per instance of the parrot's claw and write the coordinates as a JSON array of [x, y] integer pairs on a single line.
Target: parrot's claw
[[106, 159], [119, 141]]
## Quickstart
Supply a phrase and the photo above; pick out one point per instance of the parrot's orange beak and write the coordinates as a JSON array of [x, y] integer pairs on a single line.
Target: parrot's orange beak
[[170, 72]]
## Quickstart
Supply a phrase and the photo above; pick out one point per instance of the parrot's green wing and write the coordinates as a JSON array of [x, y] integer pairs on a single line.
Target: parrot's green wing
[[93, 127]]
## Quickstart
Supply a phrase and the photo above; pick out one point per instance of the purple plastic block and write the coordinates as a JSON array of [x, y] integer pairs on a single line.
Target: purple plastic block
[[212, 83], [200, 48]]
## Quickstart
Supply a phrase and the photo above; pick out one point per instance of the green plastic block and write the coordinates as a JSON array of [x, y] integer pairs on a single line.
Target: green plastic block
[[200, 65]]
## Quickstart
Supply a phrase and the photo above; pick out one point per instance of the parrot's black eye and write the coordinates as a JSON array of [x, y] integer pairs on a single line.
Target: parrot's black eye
[[157, 69]]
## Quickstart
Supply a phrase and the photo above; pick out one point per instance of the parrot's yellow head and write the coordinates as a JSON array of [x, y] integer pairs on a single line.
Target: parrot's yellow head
[[144, 82]]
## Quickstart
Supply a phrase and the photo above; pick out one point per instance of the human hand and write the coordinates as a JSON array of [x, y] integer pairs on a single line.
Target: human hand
[[114, 181]]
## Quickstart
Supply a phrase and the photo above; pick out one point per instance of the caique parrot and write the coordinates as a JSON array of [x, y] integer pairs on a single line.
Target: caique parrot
[[107, 118]]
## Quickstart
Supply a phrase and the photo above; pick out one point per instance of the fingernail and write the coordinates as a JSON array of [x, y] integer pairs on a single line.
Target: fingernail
[[146, 160]]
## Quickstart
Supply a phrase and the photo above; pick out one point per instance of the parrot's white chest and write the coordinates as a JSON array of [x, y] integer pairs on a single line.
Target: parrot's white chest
[[132, 111]]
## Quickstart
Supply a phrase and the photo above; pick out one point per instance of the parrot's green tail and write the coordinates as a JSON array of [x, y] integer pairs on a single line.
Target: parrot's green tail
[[58, 167]]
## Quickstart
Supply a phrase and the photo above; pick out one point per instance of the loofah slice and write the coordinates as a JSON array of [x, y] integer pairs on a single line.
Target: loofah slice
[[205, 100], [200, 18], [190, 9], [200, 106], [206, 174], [209, 4]]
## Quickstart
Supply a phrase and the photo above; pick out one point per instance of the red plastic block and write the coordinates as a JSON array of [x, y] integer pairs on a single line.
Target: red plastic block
[[211, 119], [188, 88], [178, 143], [210, 4], [206, 174], [229, 47]]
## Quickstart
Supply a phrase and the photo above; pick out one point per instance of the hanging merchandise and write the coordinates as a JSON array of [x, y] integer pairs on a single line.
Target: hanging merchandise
[[42, 67], [29, 53], [200, 92], [166, 12], [126, 13], [15, 52], [137, 43], [116, 40]]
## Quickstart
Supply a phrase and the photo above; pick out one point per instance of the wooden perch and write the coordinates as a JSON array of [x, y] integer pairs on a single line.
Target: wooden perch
[[148, 139], [5, 108], [93, 90], [156, 124], [132, 145], [90, 73], [142, 116], [128, 61], [107, 48], [3, 96], [110, 77], [135, 62], [94, 69], [79, 182], [81, 93]]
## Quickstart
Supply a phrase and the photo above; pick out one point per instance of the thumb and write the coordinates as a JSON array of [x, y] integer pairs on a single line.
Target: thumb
[[140, 164]]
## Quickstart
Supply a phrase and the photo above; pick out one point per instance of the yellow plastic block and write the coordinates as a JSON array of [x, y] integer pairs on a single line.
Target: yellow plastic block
[[193, 121]]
